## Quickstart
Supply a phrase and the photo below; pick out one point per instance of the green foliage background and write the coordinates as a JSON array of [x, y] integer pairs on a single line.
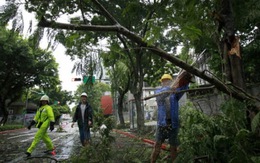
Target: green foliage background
[[221, 138]]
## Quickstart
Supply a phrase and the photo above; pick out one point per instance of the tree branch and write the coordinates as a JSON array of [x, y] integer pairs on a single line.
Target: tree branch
[[82, 12], [105, 12], [183, 91], [156, 50]]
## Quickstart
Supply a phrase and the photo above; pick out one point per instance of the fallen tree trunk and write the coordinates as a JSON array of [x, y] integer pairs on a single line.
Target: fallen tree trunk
[[119, 29], [240, 95]]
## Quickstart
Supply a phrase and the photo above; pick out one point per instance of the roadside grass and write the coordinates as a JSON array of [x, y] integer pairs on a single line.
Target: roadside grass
[[11, 127]]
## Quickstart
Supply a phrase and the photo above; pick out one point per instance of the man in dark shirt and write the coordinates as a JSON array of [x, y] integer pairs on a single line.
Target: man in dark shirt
[[84, 117]]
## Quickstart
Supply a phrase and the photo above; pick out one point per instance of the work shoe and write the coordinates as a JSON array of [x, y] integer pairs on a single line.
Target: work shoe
[[48, 151], [28, 154], [52, 152]]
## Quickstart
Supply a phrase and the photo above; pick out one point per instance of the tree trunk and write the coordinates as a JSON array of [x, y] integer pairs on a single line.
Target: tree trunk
[[237, 72], [139, 111], [4, 111], [226, 64], [231, 51], [232, 62], [120, 110]]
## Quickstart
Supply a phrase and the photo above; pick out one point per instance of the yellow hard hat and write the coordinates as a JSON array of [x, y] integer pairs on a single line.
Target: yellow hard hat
[[166, 76]]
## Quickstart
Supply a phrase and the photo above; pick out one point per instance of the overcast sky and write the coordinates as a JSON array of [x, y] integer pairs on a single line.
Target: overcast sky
[[65, 67]]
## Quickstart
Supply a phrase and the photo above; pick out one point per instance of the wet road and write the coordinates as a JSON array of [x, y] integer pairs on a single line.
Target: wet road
[[14, 144]]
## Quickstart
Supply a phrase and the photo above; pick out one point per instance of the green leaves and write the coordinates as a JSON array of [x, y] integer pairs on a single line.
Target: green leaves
[[223, 137], [191, 32], [9, 12], [23, 65]]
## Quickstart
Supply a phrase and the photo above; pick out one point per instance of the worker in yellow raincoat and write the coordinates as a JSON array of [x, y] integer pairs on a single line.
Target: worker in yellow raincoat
[[43, 119]]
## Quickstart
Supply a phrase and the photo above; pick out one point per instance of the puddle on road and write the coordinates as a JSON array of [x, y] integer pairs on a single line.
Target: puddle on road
[[67, 144], [67, 147]]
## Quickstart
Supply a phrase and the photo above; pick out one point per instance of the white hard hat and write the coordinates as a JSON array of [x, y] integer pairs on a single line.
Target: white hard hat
[[44, 98], [84, 94]]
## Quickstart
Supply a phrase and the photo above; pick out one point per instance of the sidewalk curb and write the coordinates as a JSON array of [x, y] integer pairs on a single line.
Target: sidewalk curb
[[8, 131], [164, 146]]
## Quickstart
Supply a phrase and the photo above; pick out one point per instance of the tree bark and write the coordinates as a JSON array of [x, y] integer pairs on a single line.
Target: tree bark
[[120, 109], [139, 111], [4, 111], [232, 63]]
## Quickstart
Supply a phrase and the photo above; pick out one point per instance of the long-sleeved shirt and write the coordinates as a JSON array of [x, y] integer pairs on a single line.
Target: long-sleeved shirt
[[83, 119], [44, 115], [168, 106]]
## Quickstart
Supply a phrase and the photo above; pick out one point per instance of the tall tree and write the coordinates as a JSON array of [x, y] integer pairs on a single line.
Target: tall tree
[[23, 67], [119, 75], [177, 21]]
